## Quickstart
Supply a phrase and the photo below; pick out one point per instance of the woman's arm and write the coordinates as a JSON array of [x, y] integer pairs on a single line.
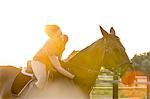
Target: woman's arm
[[55, 62]]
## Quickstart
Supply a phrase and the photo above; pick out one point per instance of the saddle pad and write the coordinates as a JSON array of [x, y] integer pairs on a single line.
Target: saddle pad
[[20, 83]]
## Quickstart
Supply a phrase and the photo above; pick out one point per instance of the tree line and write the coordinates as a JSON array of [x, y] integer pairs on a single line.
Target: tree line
[[141, 62]]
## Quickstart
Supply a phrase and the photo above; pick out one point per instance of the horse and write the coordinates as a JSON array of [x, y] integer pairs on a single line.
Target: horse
[[85, 64]]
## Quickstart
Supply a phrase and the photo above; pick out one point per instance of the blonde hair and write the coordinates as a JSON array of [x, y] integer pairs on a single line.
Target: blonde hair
[[51, 30]]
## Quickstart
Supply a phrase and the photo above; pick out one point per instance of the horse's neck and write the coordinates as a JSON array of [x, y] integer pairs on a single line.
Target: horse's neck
[[86, 71]]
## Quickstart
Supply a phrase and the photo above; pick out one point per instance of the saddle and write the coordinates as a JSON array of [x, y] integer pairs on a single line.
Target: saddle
[[21, 82]]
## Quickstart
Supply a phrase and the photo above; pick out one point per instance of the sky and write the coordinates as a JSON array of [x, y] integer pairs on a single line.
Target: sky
[[22, 23]]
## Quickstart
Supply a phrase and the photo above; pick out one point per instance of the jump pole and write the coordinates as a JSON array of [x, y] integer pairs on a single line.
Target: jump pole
[[148, 86], [115, 85]]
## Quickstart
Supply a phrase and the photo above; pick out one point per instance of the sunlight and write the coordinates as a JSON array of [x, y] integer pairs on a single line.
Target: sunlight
[[21, 33]]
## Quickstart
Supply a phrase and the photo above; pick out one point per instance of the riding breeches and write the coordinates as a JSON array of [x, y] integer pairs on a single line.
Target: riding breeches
[[39, 70]]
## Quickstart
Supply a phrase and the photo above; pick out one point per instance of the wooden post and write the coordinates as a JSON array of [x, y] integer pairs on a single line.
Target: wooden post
[[148, 86], [115, 85]]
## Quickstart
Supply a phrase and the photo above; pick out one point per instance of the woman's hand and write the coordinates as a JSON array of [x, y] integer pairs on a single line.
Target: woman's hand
[[73, 76]]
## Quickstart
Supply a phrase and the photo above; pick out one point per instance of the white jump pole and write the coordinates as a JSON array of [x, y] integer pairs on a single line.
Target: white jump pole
[[117, 81]]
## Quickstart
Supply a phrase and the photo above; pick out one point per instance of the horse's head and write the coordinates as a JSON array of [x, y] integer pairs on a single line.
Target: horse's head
[[108, 52], [115, 57]]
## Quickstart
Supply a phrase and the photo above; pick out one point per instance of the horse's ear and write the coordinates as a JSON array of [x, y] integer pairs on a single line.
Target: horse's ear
[[112, 31], [104, 33]]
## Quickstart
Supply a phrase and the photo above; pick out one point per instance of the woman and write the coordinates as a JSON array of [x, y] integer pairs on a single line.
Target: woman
[[47, 56]]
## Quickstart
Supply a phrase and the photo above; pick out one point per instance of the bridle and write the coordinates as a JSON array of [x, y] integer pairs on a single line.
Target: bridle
[[120, 66], [127, 64]]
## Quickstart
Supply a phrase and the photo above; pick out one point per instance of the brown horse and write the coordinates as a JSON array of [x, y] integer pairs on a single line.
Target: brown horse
[[85, 65]]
